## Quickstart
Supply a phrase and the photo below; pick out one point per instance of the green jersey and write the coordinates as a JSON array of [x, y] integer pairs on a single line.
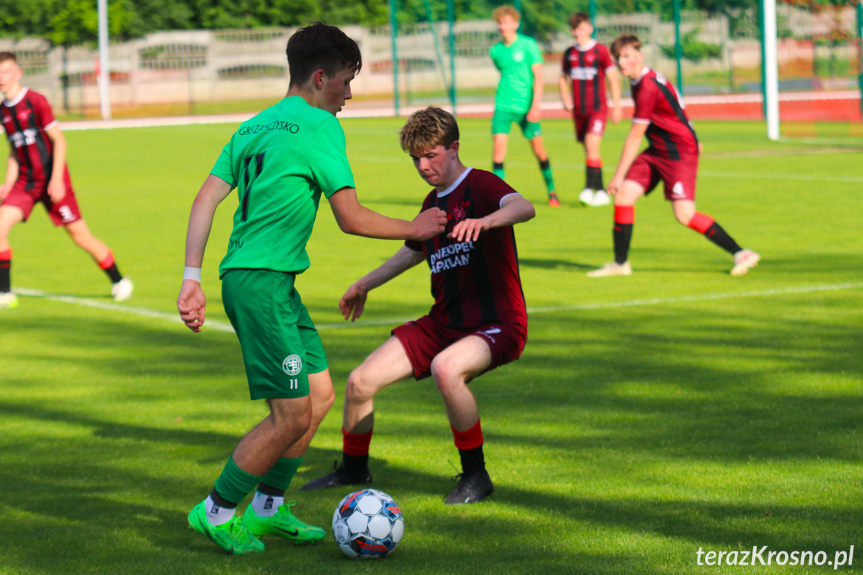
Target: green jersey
[[281, 161], [515, 91]]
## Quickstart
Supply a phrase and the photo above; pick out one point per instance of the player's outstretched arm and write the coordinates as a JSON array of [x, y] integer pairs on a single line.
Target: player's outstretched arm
[[56, 186], [565, 96], [612, 78], [630, 152], [353, 302], [192, 303], [514, 209], [355, 219], [11, 176]]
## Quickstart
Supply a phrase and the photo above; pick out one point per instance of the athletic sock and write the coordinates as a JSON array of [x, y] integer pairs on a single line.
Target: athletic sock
[[355, 451], [234, 484], [469, 444], [545, 168], [218, 514], [707, 226], [5, 271], [497, 169], [594, 175], [277, 480], [624, 218], [110, 268], [266, 505]]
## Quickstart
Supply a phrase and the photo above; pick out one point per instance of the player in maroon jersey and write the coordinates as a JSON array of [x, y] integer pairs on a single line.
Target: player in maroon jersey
[[37, 172], [478, 321], [671, 158], [587, 68]]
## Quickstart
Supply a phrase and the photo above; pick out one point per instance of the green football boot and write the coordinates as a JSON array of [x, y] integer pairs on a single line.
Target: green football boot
[[232, 536], [283, 524]]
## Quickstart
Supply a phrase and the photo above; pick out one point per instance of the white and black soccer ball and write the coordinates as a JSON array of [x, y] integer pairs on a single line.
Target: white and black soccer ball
[[368, 524]]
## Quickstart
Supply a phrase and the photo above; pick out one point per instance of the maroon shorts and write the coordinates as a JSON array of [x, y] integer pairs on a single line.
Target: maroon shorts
[[62, 213], [678, 176], [593, 123], [425, 338]]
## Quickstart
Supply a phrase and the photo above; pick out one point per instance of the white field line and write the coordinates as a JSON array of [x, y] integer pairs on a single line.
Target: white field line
[[225, 327]]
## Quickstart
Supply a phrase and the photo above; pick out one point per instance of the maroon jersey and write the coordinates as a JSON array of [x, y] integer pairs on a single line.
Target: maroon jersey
[[657, 103], [586, 67], [473, 283], [25, 120]]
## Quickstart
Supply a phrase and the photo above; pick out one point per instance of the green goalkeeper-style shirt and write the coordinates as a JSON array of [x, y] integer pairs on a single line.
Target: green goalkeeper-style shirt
[[515, 91], [281, 161]]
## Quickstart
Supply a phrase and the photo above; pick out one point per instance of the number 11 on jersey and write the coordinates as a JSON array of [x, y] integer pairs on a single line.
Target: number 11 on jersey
[[249, 179]]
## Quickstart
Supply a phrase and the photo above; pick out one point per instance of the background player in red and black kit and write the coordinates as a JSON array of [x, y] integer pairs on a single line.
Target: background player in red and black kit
[[37, 172], [478, 321], [671, 158], [587, 67]]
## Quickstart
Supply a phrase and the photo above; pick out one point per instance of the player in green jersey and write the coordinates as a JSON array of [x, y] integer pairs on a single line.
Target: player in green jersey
[[280, 161], [519, 94]]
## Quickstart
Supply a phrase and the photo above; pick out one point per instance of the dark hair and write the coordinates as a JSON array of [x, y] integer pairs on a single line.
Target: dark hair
[[623, 42], [576, 19], [6, 56], [320, 46]]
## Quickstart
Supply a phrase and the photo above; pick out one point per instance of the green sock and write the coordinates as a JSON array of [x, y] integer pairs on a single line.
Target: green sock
[[234, 483], [282, 473], [497, 169], [546, 175]]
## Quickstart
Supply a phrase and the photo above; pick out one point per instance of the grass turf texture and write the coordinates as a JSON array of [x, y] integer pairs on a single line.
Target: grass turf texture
[[625, 439]]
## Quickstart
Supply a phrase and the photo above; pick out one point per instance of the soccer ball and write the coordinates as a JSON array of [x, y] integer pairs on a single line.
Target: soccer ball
[[368, 524]]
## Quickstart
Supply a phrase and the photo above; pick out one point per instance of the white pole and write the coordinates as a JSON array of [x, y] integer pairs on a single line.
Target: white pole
[[104, 77], [771, 70]]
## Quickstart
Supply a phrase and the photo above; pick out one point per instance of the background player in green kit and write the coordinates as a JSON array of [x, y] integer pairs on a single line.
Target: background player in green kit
[[519, 94], [280, 161]]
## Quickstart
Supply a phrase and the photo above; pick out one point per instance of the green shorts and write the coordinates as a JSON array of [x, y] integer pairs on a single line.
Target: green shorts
[[281, 346], [502, 121]]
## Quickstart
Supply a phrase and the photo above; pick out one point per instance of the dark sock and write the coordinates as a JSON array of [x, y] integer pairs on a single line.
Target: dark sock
[[221, 501], [5, 271], [720, 237], [624, 219], [497, 169], [472, 460], [113, 273], [270, 490], [355, 464], [545, 168]]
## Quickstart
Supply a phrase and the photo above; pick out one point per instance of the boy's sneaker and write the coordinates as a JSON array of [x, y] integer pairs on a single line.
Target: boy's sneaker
[[611, 269], [586, 196], [471, 488], [338, 478], [283, 524], [600, 198], [122, 290], [553, 201], [744, 260], [8, 300], [232, 536]]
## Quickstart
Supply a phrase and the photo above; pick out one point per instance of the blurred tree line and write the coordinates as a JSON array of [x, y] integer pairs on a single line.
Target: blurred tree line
[[69, 22]]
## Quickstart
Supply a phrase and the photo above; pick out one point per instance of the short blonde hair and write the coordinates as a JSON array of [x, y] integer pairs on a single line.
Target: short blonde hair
[[502, 11], [427, 129]]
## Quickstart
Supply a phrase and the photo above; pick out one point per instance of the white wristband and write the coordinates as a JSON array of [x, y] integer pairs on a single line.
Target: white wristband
[[192, 274]]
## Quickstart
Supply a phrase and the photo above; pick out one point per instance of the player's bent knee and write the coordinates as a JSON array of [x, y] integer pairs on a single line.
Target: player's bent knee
[[446, 375], [358, 387]]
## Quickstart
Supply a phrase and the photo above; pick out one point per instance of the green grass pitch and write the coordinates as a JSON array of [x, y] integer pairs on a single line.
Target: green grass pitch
[[650, 416]]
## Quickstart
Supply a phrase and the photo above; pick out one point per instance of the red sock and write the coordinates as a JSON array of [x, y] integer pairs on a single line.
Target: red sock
[[624, 214], [470, 439], [700, 222], [108, 261], [594, 163], [356, 444]]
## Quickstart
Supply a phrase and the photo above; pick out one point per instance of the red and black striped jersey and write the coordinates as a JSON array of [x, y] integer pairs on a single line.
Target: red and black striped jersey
[[658, 104], [26, 120], [586, 67], [474, 283]]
